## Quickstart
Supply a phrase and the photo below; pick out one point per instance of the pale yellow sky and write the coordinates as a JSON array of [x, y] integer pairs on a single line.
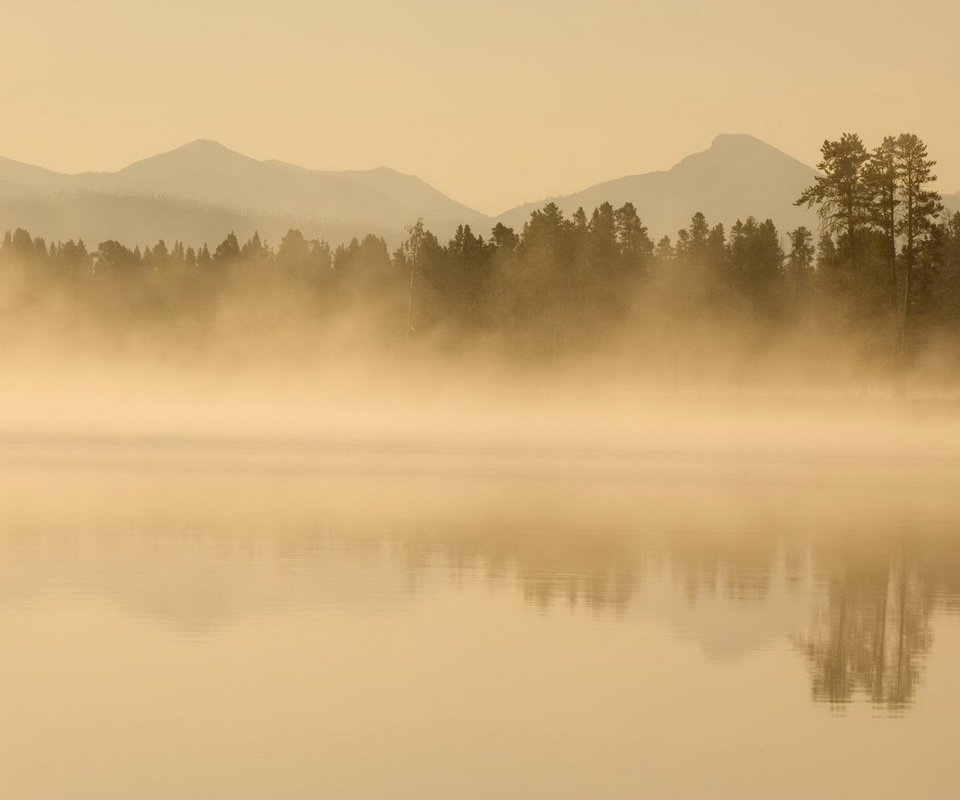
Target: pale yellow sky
[[494, 103]]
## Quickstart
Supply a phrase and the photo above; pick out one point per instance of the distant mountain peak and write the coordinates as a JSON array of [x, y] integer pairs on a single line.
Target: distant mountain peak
[[208, 147], [198, 154], [743, 145], [740, 152], [209, 144], [201, 189], [737, 140], [737, 176]]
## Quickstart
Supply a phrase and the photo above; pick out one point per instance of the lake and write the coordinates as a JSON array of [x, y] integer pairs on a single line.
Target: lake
[[232, 618]]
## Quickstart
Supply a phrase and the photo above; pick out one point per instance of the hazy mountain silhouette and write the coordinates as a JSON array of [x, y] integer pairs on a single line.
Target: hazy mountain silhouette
[[737, 177], [202, 190]]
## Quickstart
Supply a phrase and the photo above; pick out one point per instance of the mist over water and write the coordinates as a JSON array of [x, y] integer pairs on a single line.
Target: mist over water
[[486, 581], [359, 525]]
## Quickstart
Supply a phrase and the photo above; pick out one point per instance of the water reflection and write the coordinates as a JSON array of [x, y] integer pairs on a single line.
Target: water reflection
[[850, 578], [871, 631]]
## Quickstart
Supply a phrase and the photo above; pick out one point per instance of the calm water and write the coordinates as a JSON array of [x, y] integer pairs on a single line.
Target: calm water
[[235, 620]]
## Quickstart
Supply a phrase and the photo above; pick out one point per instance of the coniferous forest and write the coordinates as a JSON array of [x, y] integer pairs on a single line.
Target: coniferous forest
[[874, 295]]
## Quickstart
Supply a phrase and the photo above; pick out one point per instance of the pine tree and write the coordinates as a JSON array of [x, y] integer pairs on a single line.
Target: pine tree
[[840, 193], [920, 207], [633, 239], [880, 178]]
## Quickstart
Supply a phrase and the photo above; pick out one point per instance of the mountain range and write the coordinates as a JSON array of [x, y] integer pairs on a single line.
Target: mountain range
[[202, 190], [737, 177]]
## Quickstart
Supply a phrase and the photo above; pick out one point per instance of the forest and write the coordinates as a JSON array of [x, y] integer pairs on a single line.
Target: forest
[[874, 295]]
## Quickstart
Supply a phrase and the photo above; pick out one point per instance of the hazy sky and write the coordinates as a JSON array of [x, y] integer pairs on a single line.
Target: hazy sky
[[494, 103]]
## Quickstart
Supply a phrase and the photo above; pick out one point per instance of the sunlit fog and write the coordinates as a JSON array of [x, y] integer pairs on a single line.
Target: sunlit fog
[[430, 401]]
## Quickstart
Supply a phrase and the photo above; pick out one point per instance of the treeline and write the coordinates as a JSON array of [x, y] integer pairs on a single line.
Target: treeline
[[882, 284]]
